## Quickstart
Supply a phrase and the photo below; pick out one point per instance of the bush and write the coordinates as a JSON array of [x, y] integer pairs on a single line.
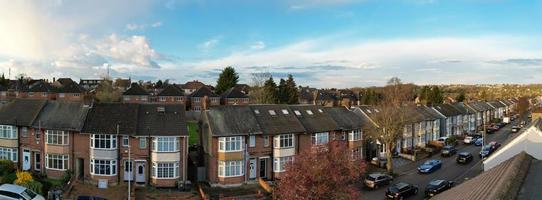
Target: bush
[[67, 176], [452, 140], [33, 185], [7, 167], [9, 178], [23, 177]]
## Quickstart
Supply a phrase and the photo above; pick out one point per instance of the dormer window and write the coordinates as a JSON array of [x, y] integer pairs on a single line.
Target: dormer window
[[369, 111], [272, 112], [284, 111], [297, 112], [309, 112], [377, 110], [320, 110]]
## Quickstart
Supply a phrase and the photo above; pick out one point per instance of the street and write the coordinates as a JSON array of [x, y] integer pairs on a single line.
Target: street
[[450, 169]]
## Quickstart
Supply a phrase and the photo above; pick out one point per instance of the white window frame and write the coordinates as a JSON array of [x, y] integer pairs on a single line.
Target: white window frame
[[56, 137], [232, 168], [297, 112], [9, 154], [252, 141], [108, 138], [8, 132], [320, 138], [165, 144], [125, 140], [62, 159], [142, 142], [165, 170], [24, 132], [280, 162], [355, 135], [284, 141], [99, 162], [236, 144], [266, 141]]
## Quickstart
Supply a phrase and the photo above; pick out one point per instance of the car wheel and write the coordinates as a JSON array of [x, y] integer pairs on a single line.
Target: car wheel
[[375, 187]]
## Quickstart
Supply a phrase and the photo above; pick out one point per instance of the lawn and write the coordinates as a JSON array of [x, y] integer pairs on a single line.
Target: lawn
[[193, 136]]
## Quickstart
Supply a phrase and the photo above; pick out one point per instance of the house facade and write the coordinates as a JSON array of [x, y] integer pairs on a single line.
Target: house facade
[[135, 94], [203, 98], [452, 123], [172, 94], [234, 96], [352, 127]]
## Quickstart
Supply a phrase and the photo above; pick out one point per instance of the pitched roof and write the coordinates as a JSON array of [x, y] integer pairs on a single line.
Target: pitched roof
[[231, 120], [465, 110], [233, 93], [313, 118], [161, 120], [21, 112], [171, 90], [278, 123], [135, 89], [104, 117], [64, 81], [59, 115], [203, 91], [496, 104], [41, 86], [71, 87], [479, 106], [447, 110], [430, 111], [414, 115], [345, 119], [193, 85]]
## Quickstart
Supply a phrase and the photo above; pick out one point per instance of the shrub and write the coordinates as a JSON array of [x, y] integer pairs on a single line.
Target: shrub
[[9, 178], [67, 176], [6, 167], [33, 185], [452, 140], [23, 177]]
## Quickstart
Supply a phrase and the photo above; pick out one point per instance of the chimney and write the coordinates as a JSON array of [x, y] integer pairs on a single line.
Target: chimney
[[314, 96], [54, 80], [204, 102]]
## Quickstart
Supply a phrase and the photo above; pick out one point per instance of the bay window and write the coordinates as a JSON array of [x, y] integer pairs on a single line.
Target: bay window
[[103, 141], [230, 144], [320, 138], [231, 168], [8, 154], [280, 162], [8, 132], [165, 170], [284, 141], [165, 144], [56, 137], [56, 161], [103, 167], [354, 135]]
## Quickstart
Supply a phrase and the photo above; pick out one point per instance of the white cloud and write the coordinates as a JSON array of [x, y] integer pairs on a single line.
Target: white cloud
[[258, 45], [209, 44], [156, 24], [133, 27]]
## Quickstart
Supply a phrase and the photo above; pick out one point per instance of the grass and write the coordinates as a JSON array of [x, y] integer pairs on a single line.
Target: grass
[[193, 136]]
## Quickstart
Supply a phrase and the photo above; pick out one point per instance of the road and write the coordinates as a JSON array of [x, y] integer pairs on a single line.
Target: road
[[450, 169]]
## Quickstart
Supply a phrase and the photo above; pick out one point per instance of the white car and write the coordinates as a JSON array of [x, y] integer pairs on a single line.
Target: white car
[[442, 140], [16, 192], [468, 140]]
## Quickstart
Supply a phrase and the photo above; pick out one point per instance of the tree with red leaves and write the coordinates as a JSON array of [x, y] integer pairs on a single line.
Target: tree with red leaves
[[326, 172]]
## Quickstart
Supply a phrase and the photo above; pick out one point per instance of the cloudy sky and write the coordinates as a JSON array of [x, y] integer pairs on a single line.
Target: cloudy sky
[[323, 43]]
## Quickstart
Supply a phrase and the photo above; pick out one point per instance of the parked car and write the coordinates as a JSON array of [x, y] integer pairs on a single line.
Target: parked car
[[515, 129], [495, 145], [379, 161], [479, 142], [430, 166], [464, 157], [16, 192], [90, 198], [490, 131], [468, 140], [376, 180], [437, 186], [401, 190], [442, 140], [486, 151], [448, 151]]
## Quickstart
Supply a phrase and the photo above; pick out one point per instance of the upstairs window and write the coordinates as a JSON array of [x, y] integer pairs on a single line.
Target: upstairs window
[[320, 138], [297, 112], [103, 141], [354, 135], [284, 141], [8, 132], [165, 144], [56, 137], [230, 144]]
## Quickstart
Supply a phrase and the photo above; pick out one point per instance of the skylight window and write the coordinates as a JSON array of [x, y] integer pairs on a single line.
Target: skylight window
[[272, 112], [369, 111], [257, 111], [377, 110], [297, 112], [284, 111], [309, 112], [320, 110]]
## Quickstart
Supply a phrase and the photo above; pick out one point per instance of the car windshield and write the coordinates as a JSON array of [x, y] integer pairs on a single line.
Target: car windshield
[[435, 182], [463, 154], [430, 162], [393, 189], [371, 177], [29, 193]]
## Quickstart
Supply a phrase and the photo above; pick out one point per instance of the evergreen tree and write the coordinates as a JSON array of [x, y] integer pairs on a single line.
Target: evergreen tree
[[227, 79], [282, 92], [159, 84], [270, 95], [4, 81], [461, 97], [293, 93]]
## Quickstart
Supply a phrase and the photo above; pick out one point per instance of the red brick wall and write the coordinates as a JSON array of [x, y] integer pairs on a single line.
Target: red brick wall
[[70, 97], [136, 153], [81, 149], [171, 99], [163, 182], [29, 142], [134, 99]]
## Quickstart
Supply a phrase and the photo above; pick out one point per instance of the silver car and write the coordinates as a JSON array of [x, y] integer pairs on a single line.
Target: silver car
[[16, 192]]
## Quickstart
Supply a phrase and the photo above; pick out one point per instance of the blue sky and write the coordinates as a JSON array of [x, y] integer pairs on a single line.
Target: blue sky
[[323, 43]]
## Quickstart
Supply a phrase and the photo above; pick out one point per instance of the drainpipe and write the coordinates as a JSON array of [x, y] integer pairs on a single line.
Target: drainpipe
[[118, 155]]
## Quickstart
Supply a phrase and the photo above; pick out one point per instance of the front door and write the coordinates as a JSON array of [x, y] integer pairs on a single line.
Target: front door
[[252, 167], [37, 161], [263, 167], [140, 172], [128, 171], [26, 159], [80, 168]]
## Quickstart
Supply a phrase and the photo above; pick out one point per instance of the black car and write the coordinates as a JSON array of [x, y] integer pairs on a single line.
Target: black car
[[464, 157], [401, 190], [376, 180], [437, 186], [448, 151]]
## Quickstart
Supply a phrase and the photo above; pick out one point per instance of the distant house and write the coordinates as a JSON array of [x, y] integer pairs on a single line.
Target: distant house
[[135, 94], [203, 98], [3, 93], [482, 113], [499, 109], [191, 86], [171, 94], [90, 84], [351, 129], [348, 98], [42, 90], [373, 146], [233, 96], [244, 88], [432, 121], [122, 84], [70, 91], [453, 122], [326, 98], [469, 117]]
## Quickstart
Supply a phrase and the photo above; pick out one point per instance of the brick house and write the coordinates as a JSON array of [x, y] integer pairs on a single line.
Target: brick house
[[320, 128], [350, 126], [70, 91], [203, 98], [191, 86], [156, 135], [16, 118], [171, 94], [135, 94], [233, 96], [42, 90]]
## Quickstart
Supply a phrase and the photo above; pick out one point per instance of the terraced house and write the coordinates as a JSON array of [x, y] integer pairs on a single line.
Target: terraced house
[[349, 125]]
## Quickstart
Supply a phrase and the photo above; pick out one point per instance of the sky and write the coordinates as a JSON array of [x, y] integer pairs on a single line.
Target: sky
[[322, 43]]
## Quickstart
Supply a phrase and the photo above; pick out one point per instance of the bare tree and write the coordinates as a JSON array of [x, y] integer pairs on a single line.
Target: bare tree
[[522, 106], [390, 118], [256, 87]]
